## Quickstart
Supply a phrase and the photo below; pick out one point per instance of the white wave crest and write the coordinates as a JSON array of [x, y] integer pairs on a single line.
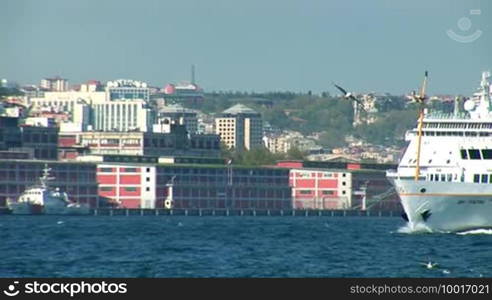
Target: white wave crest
[[410, 228], [476, 231]]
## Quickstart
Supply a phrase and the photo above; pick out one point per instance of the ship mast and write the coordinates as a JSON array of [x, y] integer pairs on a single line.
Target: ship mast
[[420, 99], [46, 176]]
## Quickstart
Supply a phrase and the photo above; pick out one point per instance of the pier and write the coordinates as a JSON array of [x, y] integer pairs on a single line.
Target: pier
[[203, 212]]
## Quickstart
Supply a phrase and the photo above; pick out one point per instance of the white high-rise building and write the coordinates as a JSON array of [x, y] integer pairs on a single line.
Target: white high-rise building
[[78, 104], [123, 106], [127, 115]]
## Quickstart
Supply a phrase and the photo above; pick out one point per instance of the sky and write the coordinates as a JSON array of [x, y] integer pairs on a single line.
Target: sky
[[251, 45]]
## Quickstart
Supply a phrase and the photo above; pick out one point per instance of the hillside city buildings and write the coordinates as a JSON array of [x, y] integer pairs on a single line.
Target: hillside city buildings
[[127, 144]]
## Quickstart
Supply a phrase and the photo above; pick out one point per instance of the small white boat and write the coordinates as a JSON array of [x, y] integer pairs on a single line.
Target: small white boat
[[41, 199]]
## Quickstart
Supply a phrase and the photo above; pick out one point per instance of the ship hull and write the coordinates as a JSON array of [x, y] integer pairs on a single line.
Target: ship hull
[[445, 206], [77, 210], [25, 208]]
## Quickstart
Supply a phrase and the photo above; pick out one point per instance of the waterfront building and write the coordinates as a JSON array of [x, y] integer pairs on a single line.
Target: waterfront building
[[340, 185], [145, 182], [226, 187], [240, 127]]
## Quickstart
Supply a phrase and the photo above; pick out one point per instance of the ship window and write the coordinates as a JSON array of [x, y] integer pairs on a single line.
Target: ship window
[[490, 178], [464, 154], [487, 153], [485, 178], [449, 177], [476, 178], [443, 177], [431, 178], [474, 153]]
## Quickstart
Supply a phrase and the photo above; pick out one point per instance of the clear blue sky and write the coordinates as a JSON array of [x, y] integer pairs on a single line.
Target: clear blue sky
[[379, 45]]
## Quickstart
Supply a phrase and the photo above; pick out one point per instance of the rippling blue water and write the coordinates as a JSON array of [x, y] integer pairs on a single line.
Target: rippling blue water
[[54, 246]]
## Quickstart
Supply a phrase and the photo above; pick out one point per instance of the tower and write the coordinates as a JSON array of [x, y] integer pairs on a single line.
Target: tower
[[192, 74]]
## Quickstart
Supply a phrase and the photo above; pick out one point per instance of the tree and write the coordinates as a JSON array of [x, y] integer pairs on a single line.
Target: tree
[[259, 157], [332, 138], [278, 117], [390, 129], [255, 157], [225, 152], [295, 154]]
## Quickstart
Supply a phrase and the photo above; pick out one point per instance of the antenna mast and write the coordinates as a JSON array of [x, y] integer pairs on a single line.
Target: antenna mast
[[193, 74], [420, 99]]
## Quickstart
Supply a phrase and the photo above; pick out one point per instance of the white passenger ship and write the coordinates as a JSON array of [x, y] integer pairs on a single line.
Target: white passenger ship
[[42, 199], [444, 179]]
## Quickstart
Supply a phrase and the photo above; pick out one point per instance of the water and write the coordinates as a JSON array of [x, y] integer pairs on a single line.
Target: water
[[150, 246]]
